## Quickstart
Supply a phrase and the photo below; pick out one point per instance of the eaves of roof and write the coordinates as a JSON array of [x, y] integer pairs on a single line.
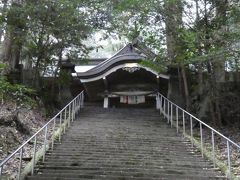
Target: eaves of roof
[[115, 60]]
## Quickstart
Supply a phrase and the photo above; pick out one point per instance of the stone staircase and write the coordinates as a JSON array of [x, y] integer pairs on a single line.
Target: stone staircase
[[121, 144]]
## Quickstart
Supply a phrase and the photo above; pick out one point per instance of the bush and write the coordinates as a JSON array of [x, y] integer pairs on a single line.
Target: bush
[[21, 94]]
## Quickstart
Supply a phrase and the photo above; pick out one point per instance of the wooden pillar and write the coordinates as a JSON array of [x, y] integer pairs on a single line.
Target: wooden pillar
[[157, 102], [105, 102], [106, 98], [158, 88], [157, 97]]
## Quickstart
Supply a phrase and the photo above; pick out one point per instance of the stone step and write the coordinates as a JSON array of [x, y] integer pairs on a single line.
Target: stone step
[[129, 165], [104, 177], [122, 160], [95, 157], [95, 174], [161, 177], [121, 148], [121, 152], [126, 164], [97, 168], [96, 140]]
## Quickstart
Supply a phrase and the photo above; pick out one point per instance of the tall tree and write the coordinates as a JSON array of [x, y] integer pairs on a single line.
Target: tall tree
[[13, 40], [174, 27]]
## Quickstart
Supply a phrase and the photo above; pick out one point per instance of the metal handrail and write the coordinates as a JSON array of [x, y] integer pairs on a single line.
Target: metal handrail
[[166, 108], [70, 110]]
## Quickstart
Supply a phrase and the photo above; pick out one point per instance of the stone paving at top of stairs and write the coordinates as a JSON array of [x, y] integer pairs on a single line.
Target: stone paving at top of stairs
[[123, 144]]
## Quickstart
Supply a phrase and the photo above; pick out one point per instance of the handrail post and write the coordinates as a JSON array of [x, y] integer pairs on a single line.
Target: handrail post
[[65, 120], [45, 143], [213, 149], [34, 154], [201, 136], [60, 127], [69, 115], [20, 164], [79, 103], [177, 118], [171, 114], [160, 104], [168, 112], [53, 131], [157, 101], [75, 108], [191, 126], [183, 121], [229, 160], [72, 111], [164, 108], [83, 100]]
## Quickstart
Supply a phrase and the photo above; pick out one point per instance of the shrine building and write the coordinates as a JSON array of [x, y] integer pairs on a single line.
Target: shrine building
[[123, 80]]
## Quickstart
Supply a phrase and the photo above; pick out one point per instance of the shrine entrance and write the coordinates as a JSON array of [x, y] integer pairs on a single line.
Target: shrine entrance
[[122, 80]]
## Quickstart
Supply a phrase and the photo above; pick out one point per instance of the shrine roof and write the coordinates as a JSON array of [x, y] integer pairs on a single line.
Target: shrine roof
[[125, 55]]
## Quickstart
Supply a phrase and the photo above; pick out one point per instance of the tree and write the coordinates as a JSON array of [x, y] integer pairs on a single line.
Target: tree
[[38, 32]]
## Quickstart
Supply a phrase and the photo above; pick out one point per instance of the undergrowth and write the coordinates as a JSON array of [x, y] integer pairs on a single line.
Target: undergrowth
[[22, 95]]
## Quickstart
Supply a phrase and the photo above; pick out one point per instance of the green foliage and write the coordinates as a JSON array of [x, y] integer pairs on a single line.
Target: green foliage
[[64, 78], [2, 66], [16, 92], [45, 31], [53, 27], [156, 66]]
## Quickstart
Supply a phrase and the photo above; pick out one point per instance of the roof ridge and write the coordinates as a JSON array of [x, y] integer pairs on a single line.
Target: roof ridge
[[122, 51]]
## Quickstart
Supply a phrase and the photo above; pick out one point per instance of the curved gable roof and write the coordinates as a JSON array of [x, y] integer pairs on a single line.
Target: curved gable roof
[[126, 54]]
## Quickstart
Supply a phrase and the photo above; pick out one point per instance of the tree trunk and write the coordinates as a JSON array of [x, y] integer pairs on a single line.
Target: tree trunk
[[4, 2], [213, 90], [173, 21], [7, 51], [214, 97], [199, 49], [218, 66], [186, 90], [12, 48], [56, 72], [221, 17]]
